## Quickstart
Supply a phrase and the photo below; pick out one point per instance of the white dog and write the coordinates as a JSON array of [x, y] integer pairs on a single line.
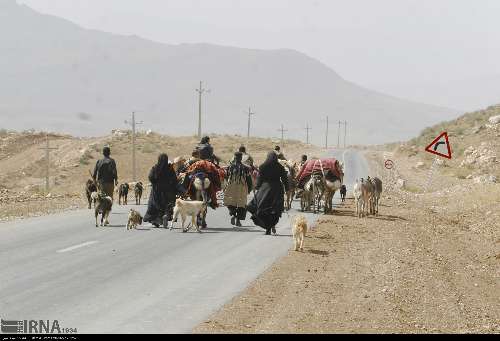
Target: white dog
[[299, 232], [188, 208]]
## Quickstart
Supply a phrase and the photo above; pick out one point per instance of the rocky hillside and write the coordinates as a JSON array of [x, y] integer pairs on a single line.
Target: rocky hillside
[[475, 143]]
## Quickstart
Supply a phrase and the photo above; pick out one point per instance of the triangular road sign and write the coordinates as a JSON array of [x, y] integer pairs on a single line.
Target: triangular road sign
[[440, 146]]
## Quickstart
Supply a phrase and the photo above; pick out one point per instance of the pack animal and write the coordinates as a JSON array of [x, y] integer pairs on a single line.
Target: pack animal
[[358, 198], [290, 171], [368, 194], [201, 185], [377, 192]]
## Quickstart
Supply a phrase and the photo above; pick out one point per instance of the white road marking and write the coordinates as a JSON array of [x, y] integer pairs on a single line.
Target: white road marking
[[71, 248]]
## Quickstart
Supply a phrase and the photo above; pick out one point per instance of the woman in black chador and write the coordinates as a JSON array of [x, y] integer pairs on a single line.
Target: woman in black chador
[[268, 203], [163, 191]]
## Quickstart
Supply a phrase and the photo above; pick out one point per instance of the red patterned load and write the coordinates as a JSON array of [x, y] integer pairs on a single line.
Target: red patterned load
[[320, 166]]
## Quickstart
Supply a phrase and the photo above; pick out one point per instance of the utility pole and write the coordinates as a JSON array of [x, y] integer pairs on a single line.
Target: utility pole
[[283, 130], [200, 92], [345, 132], [133, 124], [326, 138], [250, 113], [47, 149], [338, 138], [307, 128]]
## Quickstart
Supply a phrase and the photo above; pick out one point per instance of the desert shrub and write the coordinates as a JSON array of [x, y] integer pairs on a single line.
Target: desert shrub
[[148, 148], [86, 157]]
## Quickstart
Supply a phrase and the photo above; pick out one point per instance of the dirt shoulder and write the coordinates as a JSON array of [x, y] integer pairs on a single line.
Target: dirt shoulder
[[428, 263]]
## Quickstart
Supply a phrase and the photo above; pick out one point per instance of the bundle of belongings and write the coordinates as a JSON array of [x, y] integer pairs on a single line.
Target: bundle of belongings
[[212, 172], [329, 168]]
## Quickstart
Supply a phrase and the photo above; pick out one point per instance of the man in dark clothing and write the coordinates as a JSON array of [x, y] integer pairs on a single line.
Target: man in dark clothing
[[303, 161], [207, 151], [105, 174], [278, 152]]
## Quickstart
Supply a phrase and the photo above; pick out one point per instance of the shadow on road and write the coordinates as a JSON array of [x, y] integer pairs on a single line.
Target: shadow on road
[[319, 252], [228, 229]]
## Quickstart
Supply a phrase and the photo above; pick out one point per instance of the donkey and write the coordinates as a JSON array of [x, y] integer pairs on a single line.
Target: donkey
[[377, 191], [290, 171]]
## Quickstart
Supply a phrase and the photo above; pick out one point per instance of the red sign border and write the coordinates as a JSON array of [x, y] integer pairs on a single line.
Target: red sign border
[[429, 147], [386, 162]]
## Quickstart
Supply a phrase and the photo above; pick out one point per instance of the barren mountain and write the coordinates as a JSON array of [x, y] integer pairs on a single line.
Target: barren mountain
[[58, 76]]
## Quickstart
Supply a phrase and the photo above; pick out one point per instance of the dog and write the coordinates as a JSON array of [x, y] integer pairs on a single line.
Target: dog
[[134, 219], [90, 188], [343, 192], [188, 208], [138, 189], [299, 232], [103, 207], [123, 194]]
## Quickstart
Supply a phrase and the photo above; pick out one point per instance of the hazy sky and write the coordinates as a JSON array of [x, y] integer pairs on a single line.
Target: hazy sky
[[372, 43]]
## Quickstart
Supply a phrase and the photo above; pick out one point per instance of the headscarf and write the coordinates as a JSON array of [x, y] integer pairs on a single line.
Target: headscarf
[[237, 171], [162, 166], [205, 140], [270, 163]]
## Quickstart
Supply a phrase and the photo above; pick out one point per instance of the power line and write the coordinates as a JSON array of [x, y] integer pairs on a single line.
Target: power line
[[200, 92], [283, 130], [345, 133], [47, 149], [338, 137], [133, 123], [326, 137], [307, 128], [250, 114]]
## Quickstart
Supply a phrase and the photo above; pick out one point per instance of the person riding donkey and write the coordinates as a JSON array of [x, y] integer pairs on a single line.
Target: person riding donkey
[[206, 151], [212, 172], [280, 154]]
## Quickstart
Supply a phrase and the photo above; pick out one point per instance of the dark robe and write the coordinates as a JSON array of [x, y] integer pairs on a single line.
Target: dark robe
[[163, 193], [268, 203]]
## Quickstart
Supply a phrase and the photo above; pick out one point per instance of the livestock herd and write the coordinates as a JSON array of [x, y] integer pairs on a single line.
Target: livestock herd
[[367, 196], [315, 190]]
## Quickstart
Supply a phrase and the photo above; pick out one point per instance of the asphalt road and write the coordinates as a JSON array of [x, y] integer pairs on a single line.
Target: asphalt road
[[109, 280]]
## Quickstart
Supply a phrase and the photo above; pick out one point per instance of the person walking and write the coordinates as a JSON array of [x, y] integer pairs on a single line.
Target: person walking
[[163, 192], [268, 203], [239, 184], [105, 175]]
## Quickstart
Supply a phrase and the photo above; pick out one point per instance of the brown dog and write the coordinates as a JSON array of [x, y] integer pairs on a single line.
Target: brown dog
[[299, 232], [134, 219]]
